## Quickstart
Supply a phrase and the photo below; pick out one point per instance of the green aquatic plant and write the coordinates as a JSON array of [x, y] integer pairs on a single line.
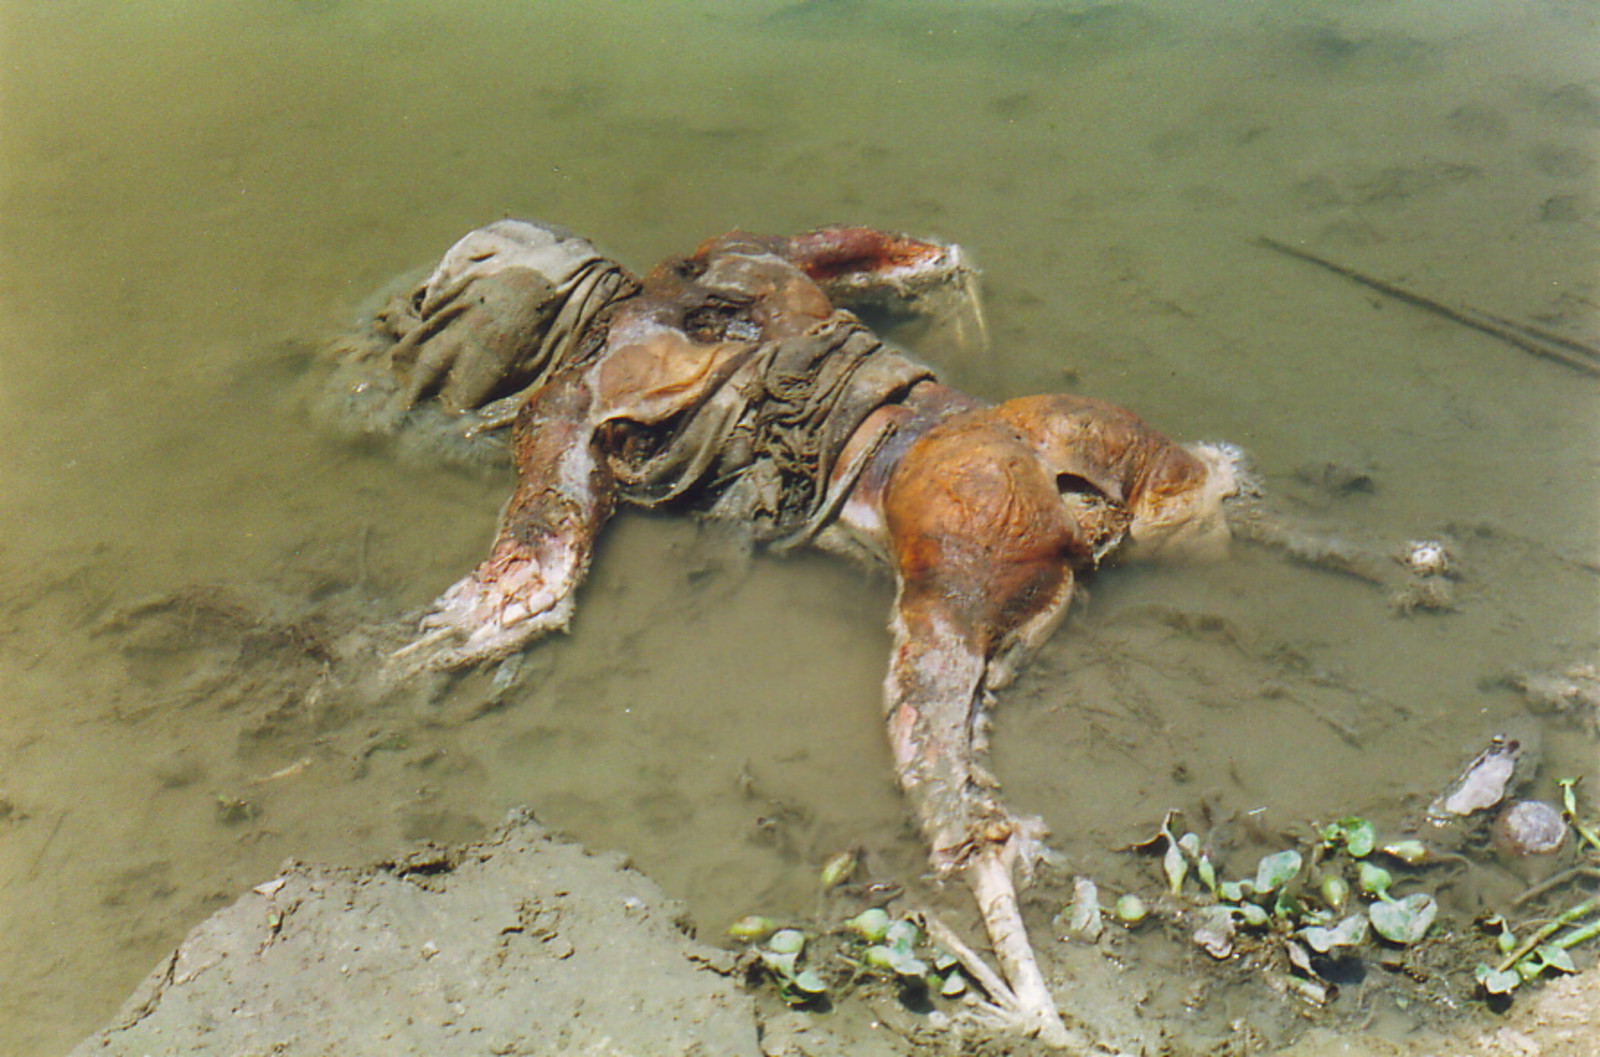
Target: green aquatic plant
[[874, 943], [1545, 949], [781, 959], [1327, 900]]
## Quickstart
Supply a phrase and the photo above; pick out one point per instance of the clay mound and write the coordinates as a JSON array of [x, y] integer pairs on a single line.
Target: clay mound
[[519, 944]]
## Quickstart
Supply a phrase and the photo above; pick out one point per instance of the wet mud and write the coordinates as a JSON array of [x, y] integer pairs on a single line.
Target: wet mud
[[193, 577]]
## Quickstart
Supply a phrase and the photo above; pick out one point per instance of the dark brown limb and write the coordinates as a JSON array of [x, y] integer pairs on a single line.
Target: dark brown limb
[[1525, 336]]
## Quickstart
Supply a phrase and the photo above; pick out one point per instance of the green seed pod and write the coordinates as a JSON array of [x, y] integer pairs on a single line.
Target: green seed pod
[[837, 870], [752, 927]]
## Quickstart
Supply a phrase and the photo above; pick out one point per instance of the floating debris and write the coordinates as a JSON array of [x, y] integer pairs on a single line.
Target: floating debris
[[1428, 558], [1084, 919], [1530, 827], [1481, 786]]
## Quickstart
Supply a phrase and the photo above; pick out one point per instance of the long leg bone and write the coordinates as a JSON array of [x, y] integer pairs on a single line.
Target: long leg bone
[[981, 537]]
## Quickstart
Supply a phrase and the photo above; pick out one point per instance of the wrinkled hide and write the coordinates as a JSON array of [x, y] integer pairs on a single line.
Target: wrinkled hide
[[737, 383]]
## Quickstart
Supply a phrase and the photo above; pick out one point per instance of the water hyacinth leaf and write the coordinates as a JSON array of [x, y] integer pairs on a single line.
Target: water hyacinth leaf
[[782, 965], [1350, 932], [1497, 981], [1507, 940], [838, 868], [787, 941], [752, 927], [1253, 915], [1357, 835], [1234, 891], [1175, 866], [1160, 839], [1276, 870], [810, 983], [902, 935], [1374, 880], [1189, 843], [1335, 890], [1410, 852], [1286, 907], [1207, 873], [908, 964], [1554, 957], [955, 984], [871, 925], [1131, 909], [1360, 837], [879, 957], [1569, 799], [1403, 921]]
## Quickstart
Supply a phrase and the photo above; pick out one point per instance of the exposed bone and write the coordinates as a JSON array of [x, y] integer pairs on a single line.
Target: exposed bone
[[732, 383]]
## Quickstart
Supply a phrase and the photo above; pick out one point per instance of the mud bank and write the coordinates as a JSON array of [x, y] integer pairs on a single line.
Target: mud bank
[[517, 944], [525, 944]]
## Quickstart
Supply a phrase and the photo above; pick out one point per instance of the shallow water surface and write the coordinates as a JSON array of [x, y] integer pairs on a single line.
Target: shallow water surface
[[192, 195]]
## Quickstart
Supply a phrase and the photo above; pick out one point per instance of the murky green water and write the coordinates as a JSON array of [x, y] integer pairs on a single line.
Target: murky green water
[[188, 190]]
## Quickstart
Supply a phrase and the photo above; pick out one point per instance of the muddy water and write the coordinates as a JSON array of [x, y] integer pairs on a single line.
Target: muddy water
[[193, 195]]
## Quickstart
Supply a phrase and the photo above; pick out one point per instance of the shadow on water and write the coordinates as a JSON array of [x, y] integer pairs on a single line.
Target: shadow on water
[[191, 190]]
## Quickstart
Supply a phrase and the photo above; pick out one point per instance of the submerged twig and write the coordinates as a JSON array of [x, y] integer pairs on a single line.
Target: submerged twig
[[1578, 355]]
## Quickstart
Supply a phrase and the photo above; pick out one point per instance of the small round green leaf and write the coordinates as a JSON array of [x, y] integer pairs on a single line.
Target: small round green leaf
[[1498, 981], [1410, 852], [787, 941], [838, 868], [1175, 866], [1233, 891], [752, 927], [1403, 921], [1555, 958], [1276, 870], [780, 964], [1359, 836], [1374, 880], [871, 925], [902, 935], [908, 964], [1348, 933], [1131, 909], [810, 983]]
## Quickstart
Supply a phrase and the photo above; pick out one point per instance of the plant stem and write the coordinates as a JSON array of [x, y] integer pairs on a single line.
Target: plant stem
[[1566, 917], [1577, 936]]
